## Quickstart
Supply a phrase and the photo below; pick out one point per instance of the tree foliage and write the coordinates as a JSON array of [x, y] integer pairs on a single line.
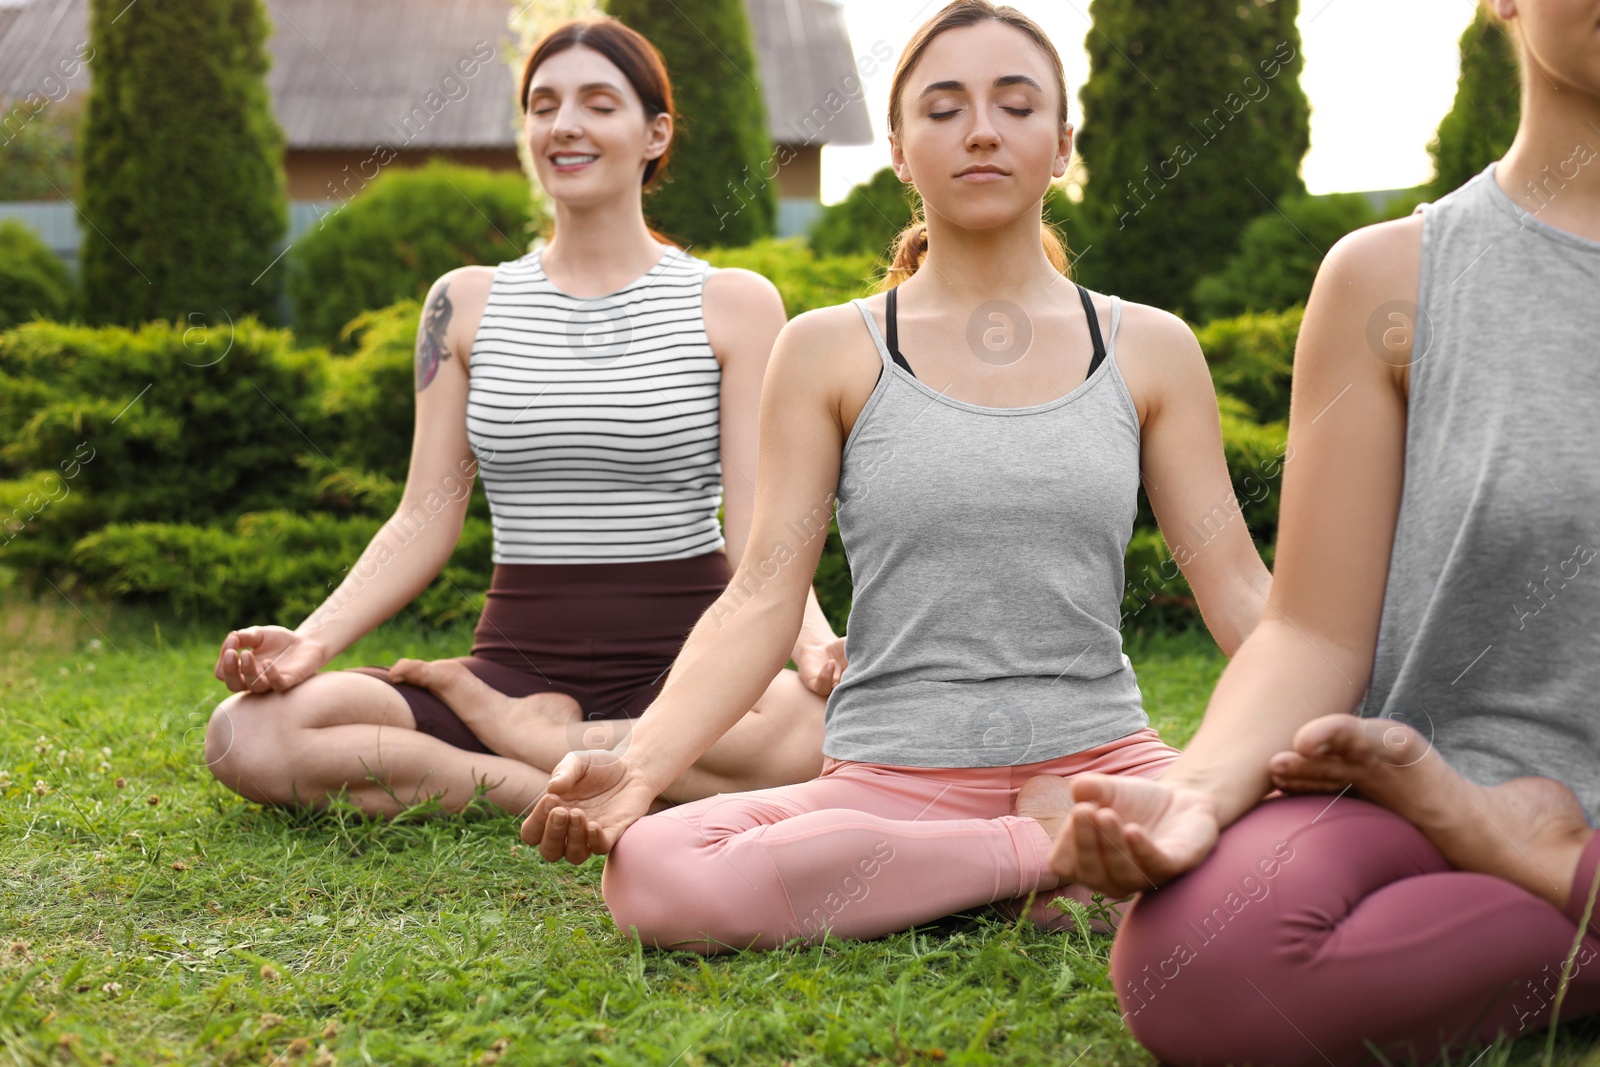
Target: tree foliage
[[1279, 254], [33, 282], [1483, 119], [718, 187], [397, 236], [183, 183], [1193, 124]]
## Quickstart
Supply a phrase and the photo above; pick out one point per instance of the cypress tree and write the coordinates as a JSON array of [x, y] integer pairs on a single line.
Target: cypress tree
[[718, 188], [183, 184], [1483, 119], [1194, 123]]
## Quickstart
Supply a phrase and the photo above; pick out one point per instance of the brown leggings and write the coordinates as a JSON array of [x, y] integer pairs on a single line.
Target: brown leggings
[[605, 634], [1316, 927]]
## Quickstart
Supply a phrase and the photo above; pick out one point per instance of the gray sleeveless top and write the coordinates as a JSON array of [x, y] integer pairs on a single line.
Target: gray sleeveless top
[[985, 547], [1489, 640]]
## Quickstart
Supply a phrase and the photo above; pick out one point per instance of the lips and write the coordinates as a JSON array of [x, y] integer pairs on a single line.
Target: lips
[[572, 160]]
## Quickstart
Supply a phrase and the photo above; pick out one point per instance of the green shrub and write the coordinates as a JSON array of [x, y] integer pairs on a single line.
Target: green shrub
[[870, 216], [33, 282], [1279, 253], [221, 573], [1252, 358], [1488, 105], [239, 485], [370, 397], [183, 191], [391, 242], [166, 423], [805, 280], [718, 186]]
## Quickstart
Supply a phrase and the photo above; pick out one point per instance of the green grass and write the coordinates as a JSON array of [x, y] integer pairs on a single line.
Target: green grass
[[165, 920]]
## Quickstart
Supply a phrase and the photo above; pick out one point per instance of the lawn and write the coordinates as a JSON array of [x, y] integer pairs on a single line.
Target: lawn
[[150, 916]]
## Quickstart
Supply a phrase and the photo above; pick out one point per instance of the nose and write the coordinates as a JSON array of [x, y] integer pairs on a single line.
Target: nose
[[567, 127], [983, 133]]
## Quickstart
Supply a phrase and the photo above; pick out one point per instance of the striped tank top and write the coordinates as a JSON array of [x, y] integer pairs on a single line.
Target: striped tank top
[[594, 420]]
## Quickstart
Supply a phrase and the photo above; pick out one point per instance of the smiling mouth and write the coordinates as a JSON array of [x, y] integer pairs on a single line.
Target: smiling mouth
[[572, 160]]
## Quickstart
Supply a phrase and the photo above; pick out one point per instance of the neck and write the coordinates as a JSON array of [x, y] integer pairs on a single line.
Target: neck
[[968, 267], [1552, 169], [596, 244]]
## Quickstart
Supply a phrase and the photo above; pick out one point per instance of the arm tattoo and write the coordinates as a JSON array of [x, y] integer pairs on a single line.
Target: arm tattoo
[[431, 347]]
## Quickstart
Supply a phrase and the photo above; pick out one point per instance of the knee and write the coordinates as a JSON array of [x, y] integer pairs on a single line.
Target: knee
[[655, 888], [245, 753]]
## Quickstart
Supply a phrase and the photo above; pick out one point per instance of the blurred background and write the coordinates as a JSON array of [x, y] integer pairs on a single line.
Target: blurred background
[[217, 220]]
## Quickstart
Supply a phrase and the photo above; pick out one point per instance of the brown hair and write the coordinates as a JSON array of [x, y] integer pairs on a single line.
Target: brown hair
[[912, 243], [631, 53]]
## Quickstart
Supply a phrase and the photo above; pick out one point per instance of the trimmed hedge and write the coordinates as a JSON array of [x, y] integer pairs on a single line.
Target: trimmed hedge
[[202, 498], [1279, 253], [34, 284], [395, 239]]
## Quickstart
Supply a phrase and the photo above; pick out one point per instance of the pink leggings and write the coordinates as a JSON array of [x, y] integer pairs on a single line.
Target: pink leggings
[[861, 851], [1317, 926]]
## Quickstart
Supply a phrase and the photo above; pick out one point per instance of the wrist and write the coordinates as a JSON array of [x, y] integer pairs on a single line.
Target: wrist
[[324, 651]]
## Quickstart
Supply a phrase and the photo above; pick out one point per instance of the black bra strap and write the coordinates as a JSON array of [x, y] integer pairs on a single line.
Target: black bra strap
[[1094, 332], [894, 333], [1088, 310]]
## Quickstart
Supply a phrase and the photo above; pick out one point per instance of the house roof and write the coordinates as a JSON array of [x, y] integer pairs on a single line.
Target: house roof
[[347, 73]]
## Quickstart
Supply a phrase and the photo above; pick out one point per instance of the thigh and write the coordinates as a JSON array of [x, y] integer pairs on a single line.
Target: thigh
[[1319, 924], [331, 698]]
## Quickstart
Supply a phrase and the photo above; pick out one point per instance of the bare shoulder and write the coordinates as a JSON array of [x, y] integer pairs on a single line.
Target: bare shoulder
[[734, 285], [1364, 301], [1159, 358], [827, 350], [1383, 256], [742, 311], [454, 306], [822, 334]]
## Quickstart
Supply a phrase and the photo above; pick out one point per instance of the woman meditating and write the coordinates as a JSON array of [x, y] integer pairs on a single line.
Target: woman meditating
[[1436, 575], [985, 426], [606, 386]]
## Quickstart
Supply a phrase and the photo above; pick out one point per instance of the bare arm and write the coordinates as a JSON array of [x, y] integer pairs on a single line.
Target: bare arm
[[413, 545], [742, 640], [744, 314], [1311, 654], [1186, 475]]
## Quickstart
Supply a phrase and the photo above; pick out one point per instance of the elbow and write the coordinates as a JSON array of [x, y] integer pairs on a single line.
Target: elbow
[[767, 593]]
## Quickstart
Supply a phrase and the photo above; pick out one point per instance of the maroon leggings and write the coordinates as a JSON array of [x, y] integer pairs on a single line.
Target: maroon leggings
[[1316, 927], [604, 634]]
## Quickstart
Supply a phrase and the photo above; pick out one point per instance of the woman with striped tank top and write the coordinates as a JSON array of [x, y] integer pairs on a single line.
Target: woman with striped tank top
[[606, 386], [986, 495], [1426, 673]]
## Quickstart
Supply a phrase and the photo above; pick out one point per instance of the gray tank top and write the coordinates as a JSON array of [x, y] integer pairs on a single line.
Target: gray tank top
[[985, 547], [1489, 640]]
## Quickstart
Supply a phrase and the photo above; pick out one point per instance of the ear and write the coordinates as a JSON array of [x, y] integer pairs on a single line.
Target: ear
[[1505, 9], [658, 135], [897, 160], [1063, 151]]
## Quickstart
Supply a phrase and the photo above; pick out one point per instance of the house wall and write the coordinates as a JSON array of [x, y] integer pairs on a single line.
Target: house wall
[[338, 174]]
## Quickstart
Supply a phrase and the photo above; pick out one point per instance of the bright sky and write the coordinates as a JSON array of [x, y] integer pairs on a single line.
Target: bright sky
[[1380, 74]]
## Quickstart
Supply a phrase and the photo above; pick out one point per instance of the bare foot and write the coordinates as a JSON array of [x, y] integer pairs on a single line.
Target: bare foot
[[1529, 831], [538, 729]]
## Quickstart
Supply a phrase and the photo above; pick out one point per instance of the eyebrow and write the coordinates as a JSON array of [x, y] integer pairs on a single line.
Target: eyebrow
[[999, 83], [584, 88]]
